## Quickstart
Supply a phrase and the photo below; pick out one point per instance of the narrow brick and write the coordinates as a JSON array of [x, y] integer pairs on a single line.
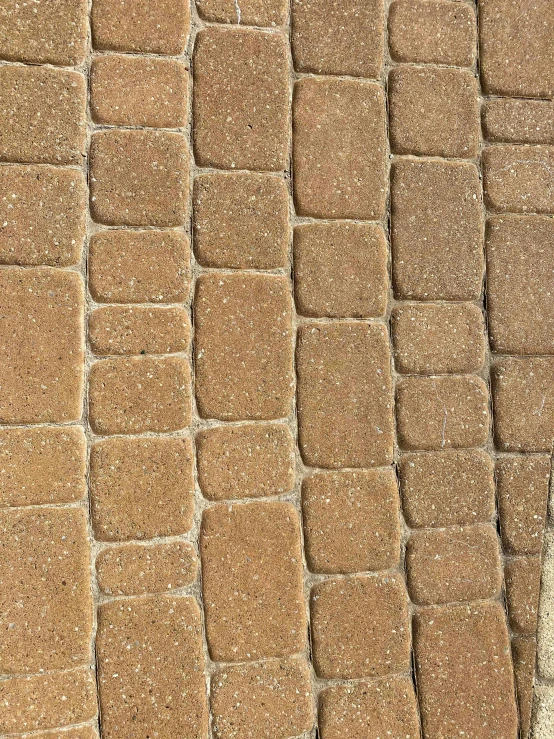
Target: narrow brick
[[351, 521], [150, 668], [464, 672], [523, 578], [244, 351], [524, 656], [360, 627], [339, 148], [340, 270], [345, 400], [252, 581], [248, 13], [41, 345], [42, 465], [518, 179], [248, 461], [42, 212], [437, 230], [42, 115], [141, 488], [77, 732], [545, 633], [338, 37], [518, 121], [241, 99]]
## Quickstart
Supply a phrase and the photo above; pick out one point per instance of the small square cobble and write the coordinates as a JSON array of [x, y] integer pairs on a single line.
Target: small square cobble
[[339, 149], [518, 121], [241, 99], [360, 627], [351, 521], [434, 112], [248, 13], [518, 179], [524, 650], [340, 270], [523, 579]]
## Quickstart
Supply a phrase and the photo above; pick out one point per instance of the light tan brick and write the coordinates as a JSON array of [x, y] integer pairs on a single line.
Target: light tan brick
[[77, 732], [545, 632], [518, 121], [524, 656], [518, 179], [523, 578], [248, 13]]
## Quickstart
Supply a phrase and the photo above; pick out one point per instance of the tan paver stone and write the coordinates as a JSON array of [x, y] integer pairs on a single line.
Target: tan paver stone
[[437, 230], [518, 179], [369, 710], [130, 91], [42, 115], [457, 564], [345, 397], [131, 396], [139, 267], [524, 656], [518, 121], [77, 732], [244, 346], [447, 488], [432, 32], [464, 672], [141, 488], [241, 99], [41, 345], [47, 701], [42, 465], [150, 668], [248, 13], [265, 700], [523, 578], [438, 339], [135, 569], [122, 329], [360, 627], [338, 37], [543, 709], [241, 221], [252, 581], [45, 599], [44, 33], [139, 178], [434, 112], [42, 212], [340, 270], [442, 412], [339, 149], [545, 652], [141, 26], [351, 521], [247, 461]]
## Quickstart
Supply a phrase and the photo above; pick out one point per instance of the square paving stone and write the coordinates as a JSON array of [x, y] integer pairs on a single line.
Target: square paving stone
[[523, 579], [518, 121], [248, 12], [518, 179], [524, 650]]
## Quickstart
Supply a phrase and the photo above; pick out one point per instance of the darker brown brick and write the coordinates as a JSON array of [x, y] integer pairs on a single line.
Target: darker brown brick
[[524, 652], [518, 179], [248, 12], [523, 579], [518, 121]]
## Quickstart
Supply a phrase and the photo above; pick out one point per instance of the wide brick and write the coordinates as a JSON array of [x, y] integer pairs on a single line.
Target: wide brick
[[120, 329], [150, 668], [139, 267], [42, 212], [457, 564], [241, 99], [339, 149], [252, 581], [42, 465], [244, 346], [442, 412], [436, 230], [545, 652], [141, 488], [345, 397], [432, 32], [42, 115], [464, 672], [265, 699], [241, 221], [248, 13], [523, 579], [45, 600], [338, 37], [141, 26], [135, 569], [360, 627], [41, 345], [129, 396], [434, 111], [340, 270], [248, 461], [447, 488], [518, 121], [351, 521], [518, 179], [524, 652], [130, 91], [139, 178], [438, 339]]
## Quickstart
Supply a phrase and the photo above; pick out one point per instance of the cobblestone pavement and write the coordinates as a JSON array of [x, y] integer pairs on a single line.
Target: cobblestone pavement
[[276, 369]]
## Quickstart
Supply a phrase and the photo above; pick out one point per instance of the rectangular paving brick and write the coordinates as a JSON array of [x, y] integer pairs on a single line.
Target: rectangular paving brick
[[252, 581], [345, 397], [518, 121], [523, 578], [524, 651], [248, 13], [518, 179], [339, 149]]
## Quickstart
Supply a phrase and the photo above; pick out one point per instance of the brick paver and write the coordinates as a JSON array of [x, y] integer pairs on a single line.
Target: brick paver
[[524, 652], [518, 179], [249, 12], [522, 577], [518, 121]]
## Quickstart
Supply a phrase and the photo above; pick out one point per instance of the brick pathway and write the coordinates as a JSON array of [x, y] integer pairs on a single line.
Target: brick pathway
[[276, 369]]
